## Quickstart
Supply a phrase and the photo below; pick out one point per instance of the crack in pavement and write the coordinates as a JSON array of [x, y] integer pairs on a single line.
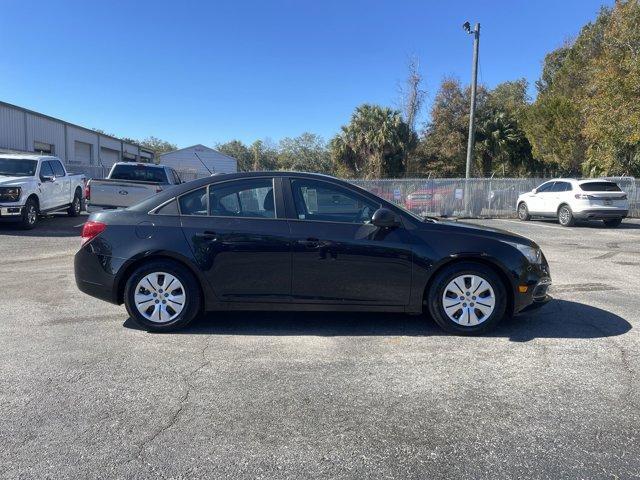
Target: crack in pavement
[[173, 419]]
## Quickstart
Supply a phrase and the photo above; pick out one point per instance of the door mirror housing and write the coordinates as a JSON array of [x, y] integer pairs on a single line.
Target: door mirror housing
[[385, 218], [534, 191], [47, 178]]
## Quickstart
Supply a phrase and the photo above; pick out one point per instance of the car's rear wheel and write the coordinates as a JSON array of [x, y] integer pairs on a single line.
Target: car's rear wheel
[[162, 296], [523, 212], [565, 216], [467, 298], [30, 213], [613, 222], [76, 206]]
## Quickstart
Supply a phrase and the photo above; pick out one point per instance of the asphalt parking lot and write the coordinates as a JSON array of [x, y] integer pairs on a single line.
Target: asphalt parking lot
[[551, 394]]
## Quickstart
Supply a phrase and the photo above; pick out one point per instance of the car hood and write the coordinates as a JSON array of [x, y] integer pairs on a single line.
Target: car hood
[[479, 230], [7, 181]]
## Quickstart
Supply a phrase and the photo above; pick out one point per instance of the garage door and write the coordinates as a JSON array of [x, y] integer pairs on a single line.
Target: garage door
[[82, 153], [109, 156]]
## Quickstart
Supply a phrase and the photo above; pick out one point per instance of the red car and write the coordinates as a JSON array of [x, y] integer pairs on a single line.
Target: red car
[[439, 200]]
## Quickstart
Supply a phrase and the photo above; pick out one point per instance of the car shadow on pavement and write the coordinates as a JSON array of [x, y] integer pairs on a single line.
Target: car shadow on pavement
[[54, 225], [559, 319]]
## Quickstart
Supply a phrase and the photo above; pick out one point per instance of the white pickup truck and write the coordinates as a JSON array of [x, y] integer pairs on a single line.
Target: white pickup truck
[[127, 184], [31, 185]]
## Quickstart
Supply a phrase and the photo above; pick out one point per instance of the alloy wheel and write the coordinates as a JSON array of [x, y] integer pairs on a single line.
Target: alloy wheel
[[468, 300], [564, 215], [159, 297], [522, 211], [32, 214]]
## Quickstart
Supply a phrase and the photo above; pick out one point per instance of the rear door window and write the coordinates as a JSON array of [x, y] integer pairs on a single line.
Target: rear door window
[[244, 198], [194, 202]]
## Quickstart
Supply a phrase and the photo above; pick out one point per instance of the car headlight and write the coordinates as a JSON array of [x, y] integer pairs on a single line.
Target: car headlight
[[10, 194], [533, 254]]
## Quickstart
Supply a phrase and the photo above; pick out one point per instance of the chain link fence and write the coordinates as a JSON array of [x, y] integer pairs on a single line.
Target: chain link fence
[[487, 197]]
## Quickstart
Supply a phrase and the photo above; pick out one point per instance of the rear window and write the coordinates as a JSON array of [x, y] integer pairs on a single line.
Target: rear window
[[139, 173], [600, 187]]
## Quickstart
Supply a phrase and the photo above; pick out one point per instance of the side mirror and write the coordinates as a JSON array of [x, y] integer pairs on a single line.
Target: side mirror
[[534, 191], [385, 218], [47, 178]]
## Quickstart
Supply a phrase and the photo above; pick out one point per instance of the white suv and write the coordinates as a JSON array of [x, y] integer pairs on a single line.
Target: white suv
[[568, 200]]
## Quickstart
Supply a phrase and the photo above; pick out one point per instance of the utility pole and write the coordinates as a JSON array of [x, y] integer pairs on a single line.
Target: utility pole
[[472, 111]]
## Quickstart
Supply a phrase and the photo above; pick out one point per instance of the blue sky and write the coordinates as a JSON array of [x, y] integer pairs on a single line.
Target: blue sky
[[206, 72]]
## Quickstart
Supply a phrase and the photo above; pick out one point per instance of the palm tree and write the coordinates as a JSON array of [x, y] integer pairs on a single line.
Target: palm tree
[[374, 144]]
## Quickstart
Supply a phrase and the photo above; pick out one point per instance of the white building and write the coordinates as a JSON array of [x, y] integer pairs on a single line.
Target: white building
[[28, 131], [193, 159]]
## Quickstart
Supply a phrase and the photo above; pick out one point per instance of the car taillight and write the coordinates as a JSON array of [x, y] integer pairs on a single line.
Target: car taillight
[[91, 230], [623, 197], [87, 191]]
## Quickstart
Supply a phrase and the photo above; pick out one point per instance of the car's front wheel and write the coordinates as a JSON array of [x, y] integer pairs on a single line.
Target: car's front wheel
[[162, 296], [467, 298], [30, 214]]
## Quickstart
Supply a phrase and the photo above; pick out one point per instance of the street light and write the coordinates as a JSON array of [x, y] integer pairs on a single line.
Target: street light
[[472, 111]]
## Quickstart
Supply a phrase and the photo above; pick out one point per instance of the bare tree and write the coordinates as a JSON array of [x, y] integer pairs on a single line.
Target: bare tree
[[411, 93]]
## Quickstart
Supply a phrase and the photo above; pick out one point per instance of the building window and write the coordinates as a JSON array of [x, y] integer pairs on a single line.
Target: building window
[[43, 148]]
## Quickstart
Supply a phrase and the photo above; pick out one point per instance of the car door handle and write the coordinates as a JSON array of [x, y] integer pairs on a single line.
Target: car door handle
[[310, 243], [208, 235]]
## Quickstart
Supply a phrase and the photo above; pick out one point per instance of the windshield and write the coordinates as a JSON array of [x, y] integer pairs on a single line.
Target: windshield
[[600, 187], [14, 167], [139, 173]]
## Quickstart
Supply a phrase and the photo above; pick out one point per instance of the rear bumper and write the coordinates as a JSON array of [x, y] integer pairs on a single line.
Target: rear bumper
[[601, 213], [94, 274]]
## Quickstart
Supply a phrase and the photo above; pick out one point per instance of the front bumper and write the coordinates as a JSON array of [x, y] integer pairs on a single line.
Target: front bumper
[[10, 213], [601, 213]]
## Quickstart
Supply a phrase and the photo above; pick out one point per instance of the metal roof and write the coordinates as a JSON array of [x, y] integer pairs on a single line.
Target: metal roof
[[42, 115]]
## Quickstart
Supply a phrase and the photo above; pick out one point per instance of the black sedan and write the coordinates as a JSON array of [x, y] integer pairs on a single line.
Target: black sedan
[[297, 241]]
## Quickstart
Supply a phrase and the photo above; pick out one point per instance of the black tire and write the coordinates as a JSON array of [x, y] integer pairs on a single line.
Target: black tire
[[523, 212], [565, 216], [613, 222], [30, 213], [192, 303], [434, 298], [76, 206]]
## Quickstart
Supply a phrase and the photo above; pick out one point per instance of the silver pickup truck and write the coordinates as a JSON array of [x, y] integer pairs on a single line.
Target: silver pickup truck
[[127, 184]]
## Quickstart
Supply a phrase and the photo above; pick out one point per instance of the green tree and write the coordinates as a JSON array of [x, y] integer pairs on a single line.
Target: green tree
[[239, 151], [612, 104], [264, 156], [157, 145], [374, 144], [305, 153]]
